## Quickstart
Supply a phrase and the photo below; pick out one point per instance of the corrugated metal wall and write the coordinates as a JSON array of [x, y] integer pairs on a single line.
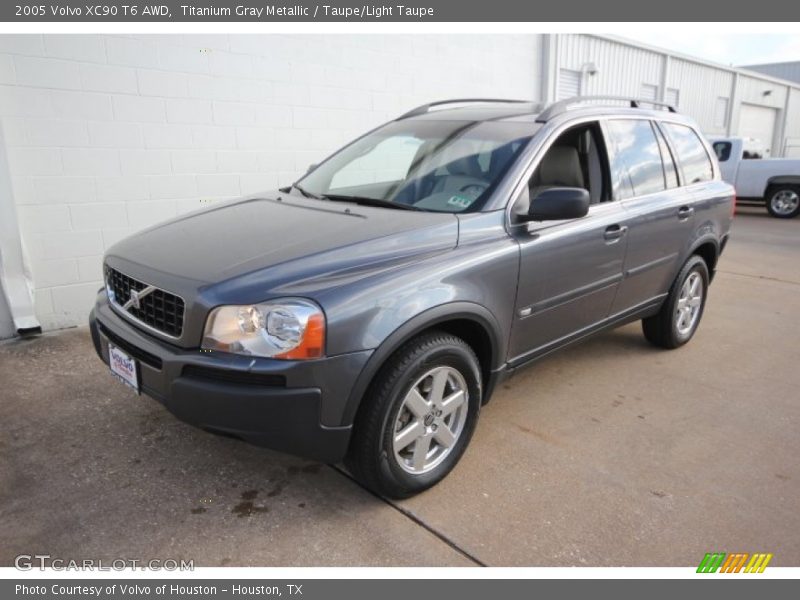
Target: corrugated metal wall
[[705, 91], [700, 87], [763, 92], [621, 70], [792, 133]]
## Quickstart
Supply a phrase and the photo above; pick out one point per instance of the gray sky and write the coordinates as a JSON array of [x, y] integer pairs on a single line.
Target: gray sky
[[735, 49]]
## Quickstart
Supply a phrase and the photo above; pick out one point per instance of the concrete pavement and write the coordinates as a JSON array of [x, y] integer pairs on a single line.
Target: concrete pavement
[[608, 453]]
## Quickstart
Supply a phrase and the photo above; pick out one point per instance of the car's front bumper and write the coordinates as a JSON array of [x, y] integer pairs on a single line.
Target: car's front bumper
[[291, 406]]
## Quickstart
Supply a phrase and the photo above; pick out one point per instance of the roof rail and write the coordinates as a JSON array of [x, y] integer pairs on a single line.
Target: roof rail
[[425, 108], [562, 106]]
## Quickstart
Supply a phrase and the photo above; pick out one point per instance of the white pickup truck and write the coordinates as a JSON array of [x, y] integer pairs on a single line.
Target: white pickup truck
[[771, 181]]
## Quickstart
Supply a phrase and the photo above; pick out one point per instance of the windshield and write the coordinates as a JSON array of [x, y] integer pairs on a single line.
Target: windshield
[[443, 166]]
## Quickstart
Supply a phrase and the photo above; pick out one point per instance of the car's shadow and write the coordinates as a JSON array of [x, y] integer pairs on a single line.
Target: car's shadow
[[752, 211]]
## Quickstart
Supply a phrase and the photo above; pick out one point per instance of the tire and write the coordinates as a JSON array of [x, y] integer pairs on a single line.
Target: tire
[[783, 201], [677, 320], [400, 470]]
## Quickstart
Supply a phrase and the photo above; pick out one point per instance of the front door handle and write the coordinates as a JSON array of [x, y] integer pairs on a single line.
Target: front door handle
[[684, 212], [614, 232]]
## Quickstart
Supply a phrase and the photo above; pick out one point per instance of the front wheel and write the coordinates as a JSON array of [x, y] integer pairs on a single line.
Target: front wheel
[[417, 417], [783, 201], [676, 322]]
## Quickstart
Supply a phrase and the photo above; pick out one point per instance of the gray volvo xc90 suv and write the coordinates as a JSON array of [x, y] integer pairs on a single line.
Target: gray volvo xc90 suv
[[367, 312]]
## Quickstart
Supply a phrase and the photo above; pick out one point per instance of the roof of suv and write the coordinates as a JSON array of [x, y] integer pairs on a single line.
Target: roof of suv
[[528, 111]]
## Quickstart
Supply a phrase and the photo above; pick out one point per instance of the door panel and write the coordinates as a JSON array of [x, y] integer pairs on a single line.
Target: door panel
[[569, 273], [661, 213], [660, 226]]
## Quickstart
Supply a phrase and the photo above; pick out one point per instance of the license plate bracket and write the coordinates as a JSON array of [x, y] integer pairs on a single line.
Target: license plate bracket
[[124, 367]]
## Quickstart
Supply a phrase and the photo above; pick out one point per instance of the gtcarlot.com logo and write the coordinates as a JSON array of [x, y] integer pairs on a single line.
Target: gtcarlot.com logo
[[27, 562], [739, 562]]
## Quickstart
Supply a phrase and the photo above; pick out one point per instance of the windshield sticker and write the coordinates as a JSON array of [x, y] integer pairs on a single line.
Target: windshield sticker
[[460, 201]]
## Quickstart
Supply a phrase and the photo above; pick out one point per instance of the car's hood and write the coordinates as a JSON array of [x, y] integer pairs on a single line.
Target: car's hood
[[249, 235]]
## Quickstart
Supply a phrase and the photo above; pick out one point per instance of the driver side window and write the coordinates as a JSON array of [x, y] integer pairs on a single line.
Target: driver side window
[[577, 159]]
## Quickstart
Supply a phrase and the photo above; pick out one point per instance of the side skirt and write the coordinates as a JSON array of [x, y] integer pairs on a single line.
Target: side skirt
[[640, 311]]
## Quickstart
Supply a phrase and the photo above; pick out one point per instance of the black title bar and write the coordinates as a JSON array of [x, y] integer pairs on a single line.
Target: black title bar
[[245, 11]]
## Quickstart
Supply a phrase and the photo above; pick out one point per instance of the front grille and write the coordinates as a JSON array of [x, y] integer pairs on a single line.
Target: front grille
[[158, 309]]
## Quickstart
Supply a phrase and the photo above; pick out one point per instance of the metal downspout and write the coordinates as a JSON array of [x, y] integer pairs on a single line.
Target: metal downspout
[[16, 281]]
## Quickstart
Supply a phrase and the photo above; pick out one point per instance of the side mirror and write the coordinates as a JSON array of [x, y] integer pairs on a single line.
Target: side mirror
[[559, 203], [311, 167]]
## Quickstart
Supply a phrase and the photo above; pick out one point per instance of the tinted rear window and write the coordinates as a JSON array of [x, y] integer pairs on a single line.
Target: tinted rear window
[[691, 154]]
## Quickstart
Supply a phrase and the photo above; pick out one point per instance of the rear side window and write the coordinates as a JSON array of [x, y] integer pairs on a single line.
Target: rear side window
[[692, 155], [670, 170], [636, 168]]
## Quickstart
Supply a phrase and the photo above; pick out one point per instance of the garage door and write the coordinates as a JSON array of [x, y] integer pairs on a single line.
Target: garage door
[[758, 122]]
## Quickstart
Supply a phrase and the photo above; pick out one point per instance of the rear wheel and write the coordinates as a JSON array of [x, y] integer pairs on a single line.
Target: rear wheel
[[783, 201], [417, 417], [676, 322]]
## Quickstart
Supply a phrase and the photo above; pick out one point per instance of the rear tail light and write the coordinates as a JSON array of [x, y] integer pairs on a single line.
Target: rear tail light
[[733, 206]]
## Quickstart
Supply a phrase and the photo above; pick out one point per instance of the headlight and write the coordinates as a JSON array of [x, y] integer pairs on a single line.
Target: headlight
[[289, 328]]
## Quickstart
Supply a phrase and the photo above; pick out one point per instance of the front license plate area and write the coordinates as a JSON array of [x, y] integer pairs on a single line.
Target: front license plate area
[[124, 367]]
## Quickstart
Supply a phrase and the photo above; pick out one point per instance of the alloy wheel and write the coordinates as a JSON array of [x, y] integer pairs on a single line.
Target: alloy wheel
[[689, 304], [430, 420], [785, 202]]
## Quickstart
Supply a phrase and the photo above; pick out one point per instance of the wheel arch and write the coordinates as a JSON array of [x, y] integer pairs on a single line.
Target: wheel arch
[[781, 180], [708, 249], [473, 323]]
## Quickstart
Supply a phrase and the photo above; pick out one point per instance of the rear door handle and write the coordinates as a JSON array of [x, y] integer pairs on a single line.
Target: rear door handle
[[684, 212], [614, 232]]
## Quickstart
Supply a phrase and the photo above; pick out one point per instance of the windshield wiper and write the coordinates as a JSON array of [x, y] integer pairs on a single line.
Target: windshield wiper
[[306, 193], [364, 200]]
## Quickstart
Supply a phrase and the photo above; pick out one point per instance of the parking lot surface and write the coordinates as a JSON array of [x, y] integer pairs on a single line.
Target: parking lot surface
[[609, 453]]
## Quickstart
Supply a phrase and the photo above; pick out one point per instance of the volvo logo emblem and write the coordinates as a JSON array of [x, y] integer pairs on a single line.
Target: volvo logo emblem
[[135, 300]]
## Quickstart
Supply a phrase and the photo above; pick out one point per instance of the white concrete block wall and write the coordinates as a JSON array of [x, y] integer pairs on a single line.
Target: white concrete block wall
[[110, 134]]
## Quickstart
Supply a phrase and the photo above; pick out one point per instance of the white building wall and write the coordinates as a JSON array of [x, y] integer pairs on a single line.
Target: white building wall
[[699, 87], [762, 92], [792, 133], [631, 70], [110, 134], [621, 68]]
